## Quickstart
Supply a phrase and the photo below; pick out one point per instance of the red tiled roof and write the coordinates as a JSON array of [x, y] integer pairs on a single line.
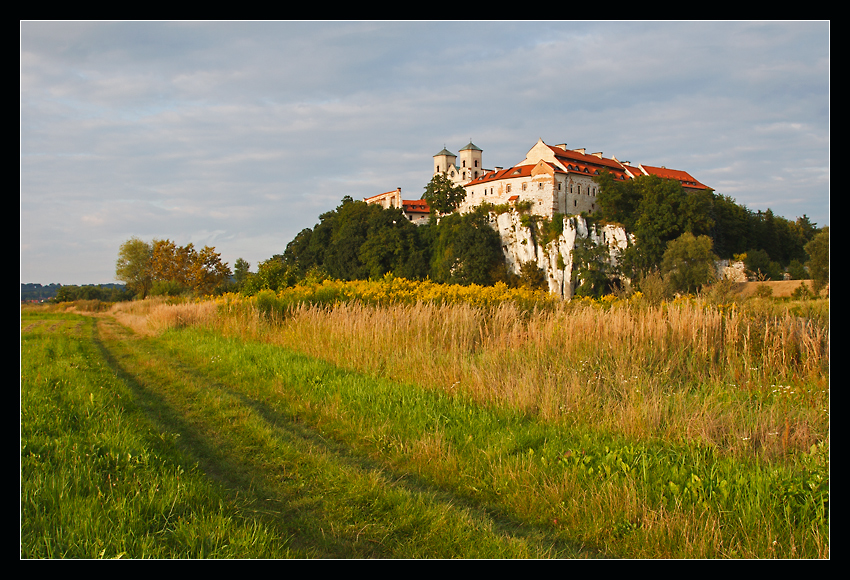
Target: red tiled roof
[[518, 171], [569, 155], [683, 176], [415, 206]]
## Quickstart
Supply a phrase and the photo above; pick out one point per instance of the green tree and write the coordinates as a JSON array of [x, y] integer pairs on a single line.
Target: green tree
[[760, 266], [133, 266], [442, 195], [592, 272], [241, 270], [818, 252], [466, 250], [272, 274], [688, 263], [656, 211], [797, 270], [532, 276]]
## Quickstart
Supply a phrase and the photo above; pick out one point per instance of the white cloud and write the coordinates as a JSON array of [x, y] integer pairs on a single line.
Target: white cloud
[[251, 130]]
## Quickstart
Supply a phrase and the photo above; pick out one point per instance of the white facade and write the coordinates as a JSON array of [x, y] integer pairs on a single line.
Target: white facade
[[553, 179]]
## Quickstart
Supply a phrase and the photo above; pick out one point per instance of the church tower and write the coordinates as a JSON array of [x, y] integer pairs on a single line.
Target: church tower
[[444, 162], [470, 162]]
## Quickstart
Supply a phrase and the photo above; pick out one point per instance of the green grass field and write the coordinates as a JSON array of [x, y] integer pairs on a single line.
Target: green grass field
[[197, 442]]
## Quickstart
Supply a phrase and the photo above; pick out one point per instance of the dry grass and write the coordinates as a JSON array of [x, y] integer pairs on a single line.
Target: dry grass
[[739, 379]]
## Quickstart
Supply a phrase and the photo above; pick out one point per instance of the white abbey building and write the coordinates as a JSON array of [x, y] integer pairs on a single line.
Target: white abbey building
[[553, 179]]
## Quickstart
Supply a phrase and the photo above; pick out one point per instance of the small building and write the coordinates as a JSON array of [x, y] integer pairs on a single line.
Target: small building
[[415, 210]]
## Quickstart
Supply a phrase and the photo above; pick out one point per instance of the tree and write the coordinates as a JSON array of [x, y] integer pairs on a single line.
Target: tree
[[241, 270], [760, 266], [466, 250], [818, 251], [592, 272], [206, 271], [442, 195], [173, 268], [688, 263], [133, 266]]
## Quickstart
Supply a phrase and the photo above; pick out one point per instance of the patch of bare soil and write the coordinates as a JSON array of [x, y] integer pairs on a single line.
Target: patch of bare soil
[[781, 289]]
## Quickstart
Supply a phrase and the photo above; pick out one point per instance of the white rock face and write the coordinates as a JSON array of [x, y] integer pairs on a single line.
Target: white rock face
[[520, 245]]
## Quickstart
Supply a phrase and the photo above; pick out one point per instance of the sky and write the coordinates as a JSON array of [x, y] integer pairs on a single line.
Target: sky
[[238, 135]]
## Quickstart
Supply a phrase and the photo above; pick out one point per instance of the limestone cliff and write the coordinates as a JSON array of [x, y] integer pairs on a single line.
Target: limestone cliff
[[522, 243]]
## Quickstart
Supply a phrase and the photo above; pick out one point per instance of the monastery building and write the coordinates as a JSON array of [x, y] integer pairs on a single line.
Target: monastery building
[[553, 179]]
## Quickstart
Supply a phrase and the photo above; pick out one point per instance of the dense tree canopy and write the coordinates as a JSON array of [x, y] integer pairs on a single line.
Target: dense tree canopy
[[467, 250], [357, 241], [658, 211], [170, 268]]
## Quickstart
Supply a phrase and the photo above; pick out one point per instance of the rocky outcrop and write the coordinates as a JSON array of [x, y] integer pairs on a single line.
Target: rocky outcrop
[[522, 243]]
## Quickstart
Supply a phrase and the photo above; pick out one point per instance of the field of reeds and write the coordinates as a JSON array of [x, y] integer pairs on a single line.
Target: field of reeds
[[491, 422]]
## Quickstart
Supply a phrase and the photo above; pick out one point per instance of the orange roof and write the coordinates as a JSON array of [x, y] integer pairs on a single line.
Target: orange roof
[[683, 176], [569, 155], [415, 206], [519, 171]]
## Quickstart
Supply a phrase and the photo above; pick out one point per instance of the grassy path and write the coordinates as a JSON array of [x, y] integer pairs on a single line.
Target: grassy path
[[306, 482], [190, 444]]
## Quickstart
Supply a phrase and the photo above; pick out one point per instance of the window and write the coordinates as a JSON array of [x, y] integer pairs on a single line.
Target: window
[[508, 188], [476, 164], [523, 186], [540, 185]]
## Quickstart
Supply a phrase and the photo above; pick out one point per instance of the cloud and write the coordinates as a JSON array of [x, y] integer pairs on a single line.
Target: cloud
[[251, 130]]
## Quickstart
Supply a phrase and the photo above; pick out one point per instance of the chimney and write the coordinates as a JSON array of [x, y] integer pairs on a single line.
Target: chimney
[[582, 150], [598, 154], [562, 146]]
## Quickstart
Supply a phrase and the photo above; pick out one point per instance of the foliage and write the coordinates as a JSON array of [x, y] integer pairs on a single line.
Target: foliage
[[653, 288], [797, 271], [761, 267], [688, 263], [359, 240], [101, 292], [592, 271], [175, 268], [133, 266], [466, 250], [241, 271], [657, 211], [818, 251], [271, 274], [442, 195]]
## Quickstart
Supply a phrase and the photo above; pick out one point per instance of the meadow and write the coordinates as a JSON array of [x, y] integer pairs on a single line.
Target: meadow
[[396, 419]]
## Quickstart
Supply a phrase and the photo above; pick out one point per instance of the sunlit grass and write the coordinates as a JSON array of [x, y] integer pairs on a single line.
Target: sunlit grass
[[442, 428]]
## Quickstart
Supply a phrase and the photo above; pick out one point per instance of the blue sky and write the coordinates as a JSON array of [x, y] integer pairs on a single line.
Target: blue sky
[[239, 135]]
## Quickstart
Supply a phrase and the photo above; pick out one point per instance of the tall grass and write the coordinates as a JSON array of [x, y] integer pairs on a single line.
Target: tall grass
[[686, 428], [743, 379]]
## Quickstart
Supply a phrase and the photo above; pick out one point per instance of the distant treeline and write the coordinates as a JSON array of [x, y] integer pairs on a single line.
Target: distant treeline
[[70, 293]]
